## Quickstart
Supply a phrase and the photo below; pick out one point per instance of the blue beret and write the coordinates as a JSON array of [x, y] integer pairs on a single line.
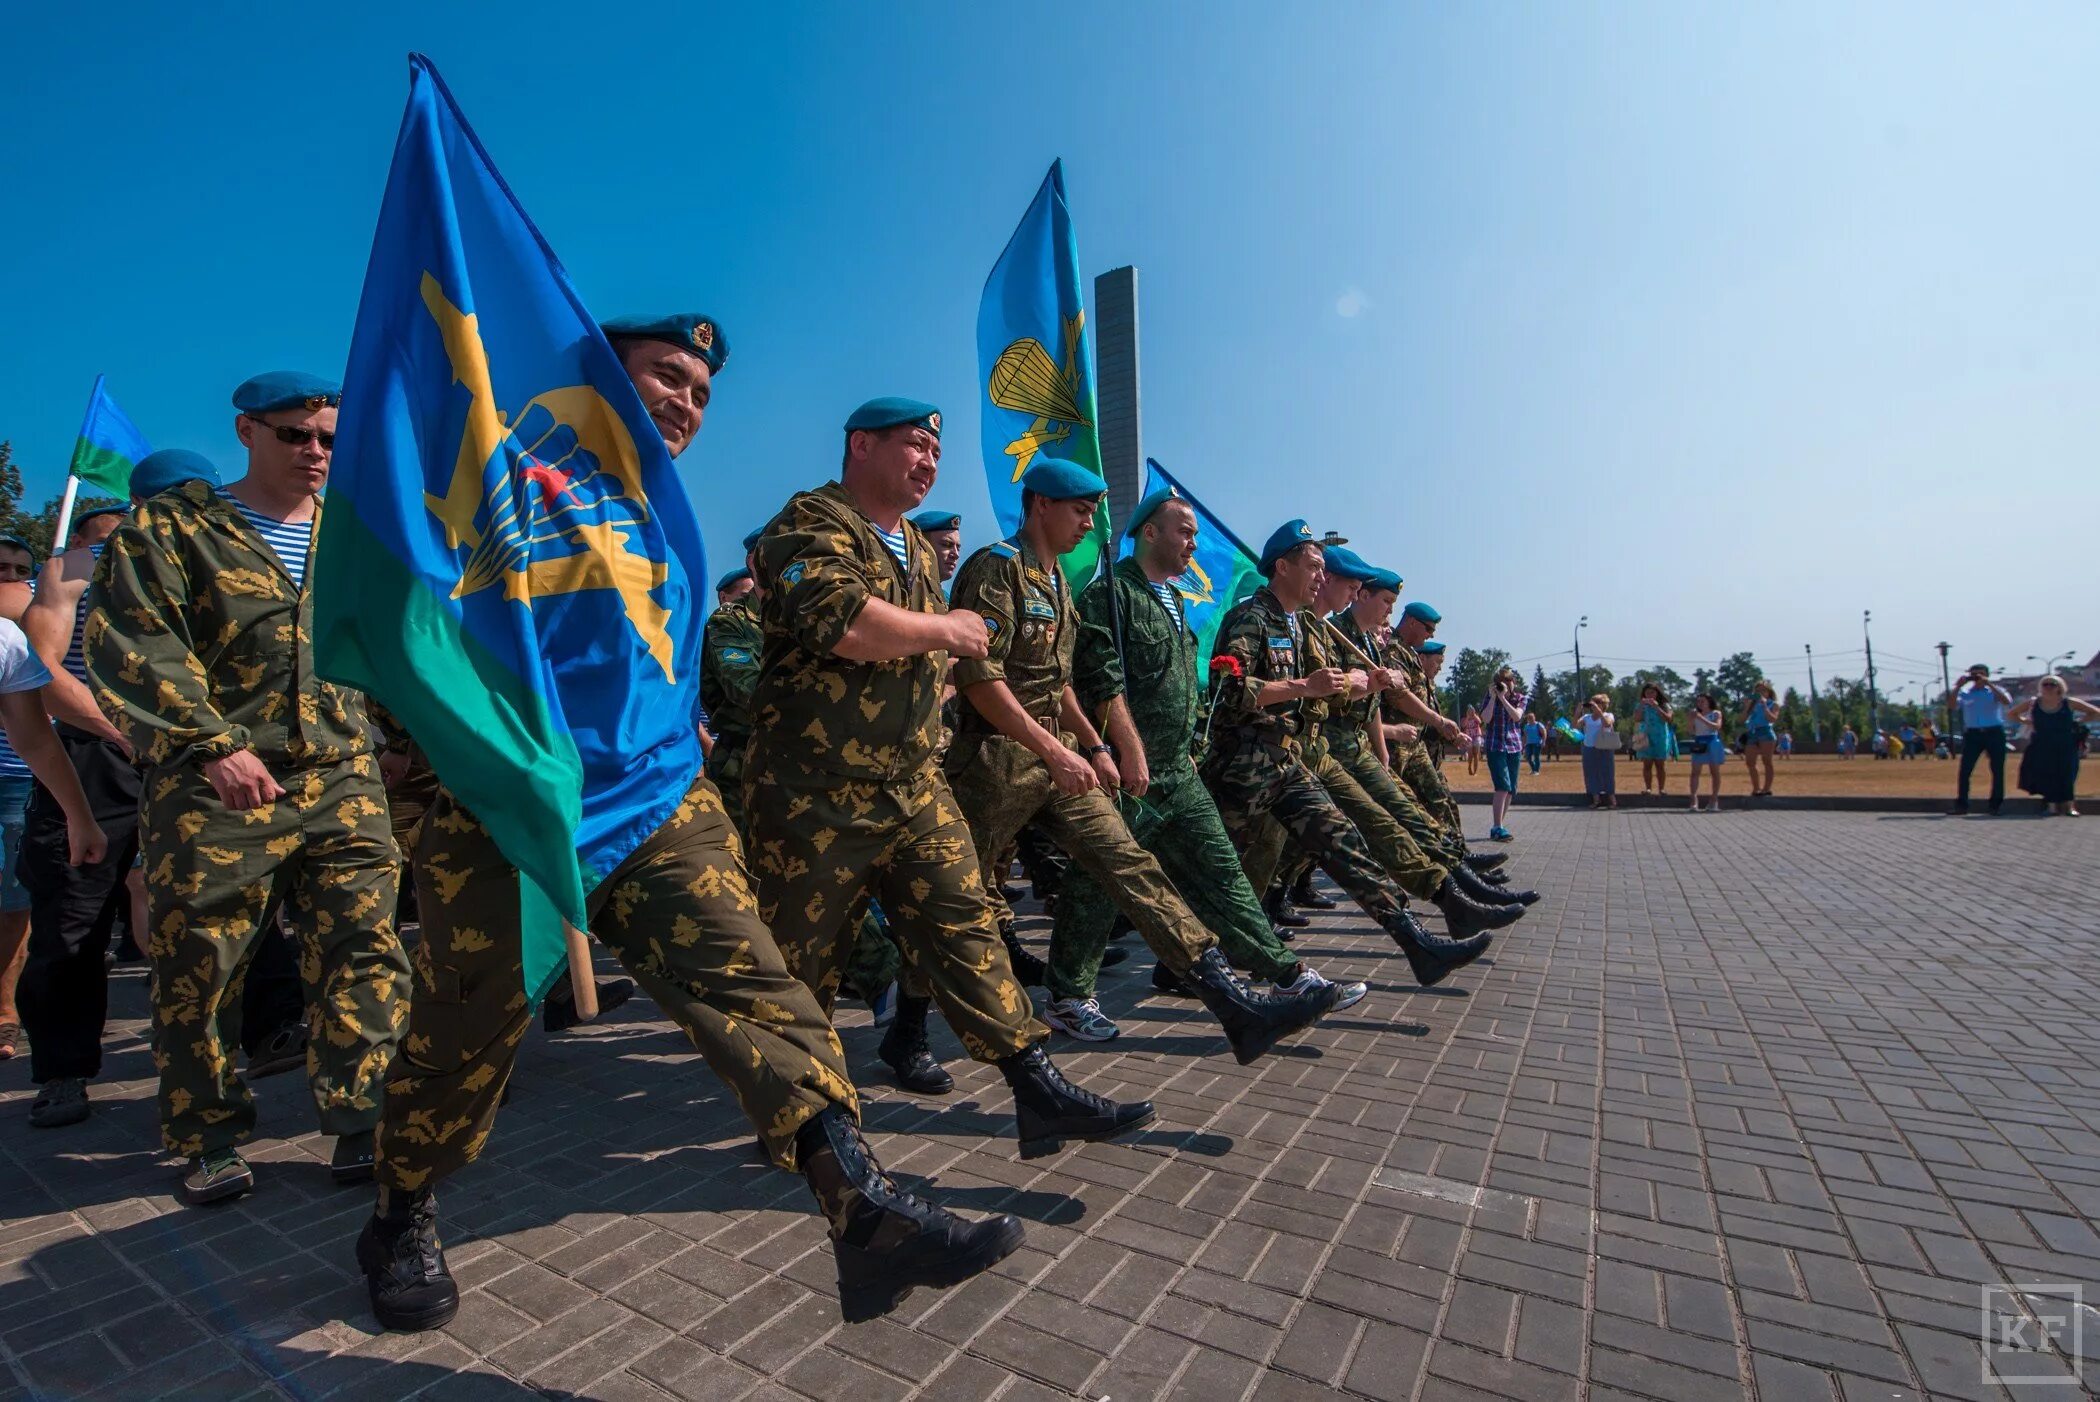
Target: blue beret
[[689, 331], [1145, 508], [1056, 479], [890, 411], [20, 544], [1384, 579], [752, 539], [938, 521], [1421, 612], [732, 577], [286, 389], [1288, 537], [1347, 564], [156, 472], [1432, 648], [115, 508]]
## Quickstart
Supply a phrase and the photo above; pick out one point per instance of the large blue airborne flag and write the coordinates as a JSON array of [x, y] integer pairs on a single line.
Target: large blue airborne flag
[[507, 558]]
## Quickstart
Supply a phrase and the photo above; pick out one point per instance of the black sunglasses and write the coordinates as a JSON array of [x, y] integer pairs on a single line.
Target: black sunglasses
[[297, 437]]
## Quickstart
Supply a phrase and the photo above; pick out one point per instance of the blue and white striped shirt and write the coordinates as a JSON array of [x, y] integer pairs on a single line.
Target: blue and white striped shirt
[[289, 539], [899, 546]]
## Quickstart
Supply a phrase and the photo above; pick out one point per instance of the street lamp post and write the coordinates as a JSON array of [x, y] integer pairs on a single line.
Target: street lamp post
[[1873, 704], [1815, 719], [1580, 624], [1947, 689]]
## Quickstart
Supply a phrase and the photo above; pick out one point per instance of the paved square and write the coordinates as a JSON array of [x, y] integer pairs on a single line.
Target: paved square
[[1752, 1104]]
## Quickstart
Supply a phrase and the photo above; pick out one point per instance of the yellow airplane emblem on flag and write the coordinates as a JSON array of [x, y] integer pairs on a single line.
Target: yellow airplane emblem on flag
[[1026, 380], [480, 510]]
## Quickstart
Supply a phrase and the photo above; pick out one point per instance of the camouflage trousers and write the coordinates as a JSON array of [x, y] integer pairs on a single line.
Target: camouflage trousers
[[822, 844], [1424, 778], [215, 879], [1260, 787], [680, 916], [1428, 829], [1177, 823], [1002, 786], [1388, 843]]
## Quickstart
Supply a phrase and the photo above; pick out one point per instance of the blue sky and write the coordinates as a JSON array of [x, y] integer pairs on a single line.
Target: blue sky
[[1717, 325]]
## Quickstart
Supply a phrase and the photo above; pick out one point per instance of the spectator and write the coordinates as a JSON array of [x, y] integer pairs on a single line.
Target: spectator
[[1908, 733], [1655, 737], [1708, 750], [2049, 767], [1896, 746], [1534, 740], [1848, 743], [17, 563], [1786, 744], [1928, 740], [1983, 704], [1504, 743], [1600, 753], [1469, 723], [1760, 740]]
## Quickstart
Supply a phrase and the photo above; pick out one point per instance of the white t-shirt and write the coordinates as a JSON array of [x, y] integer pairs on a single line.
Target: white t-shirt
[[20, 668], [1594, 726]]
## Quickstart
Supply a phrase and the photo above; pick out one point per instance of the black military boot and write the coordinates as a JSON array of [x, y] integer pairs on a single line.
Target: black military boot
[[1480, 890], [1468, 917], [1486, 861], [1165, 980], [1113, 955], [1282, 914], [1433, 958], [559, 1014], [1253, 1021], [1303, 894], [352, 1160], [905, 1052], [404, 1264], [1029, 971], [887, 1242], [1049, 1109]]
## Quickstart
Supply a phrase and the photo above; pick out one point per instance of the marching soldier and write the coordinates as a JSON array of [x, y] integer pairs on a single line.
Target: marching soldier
[[1136, 661], [729, 648], [680, 914], [1413, 699], [1257, 768], [261, 786], [1027, 750]]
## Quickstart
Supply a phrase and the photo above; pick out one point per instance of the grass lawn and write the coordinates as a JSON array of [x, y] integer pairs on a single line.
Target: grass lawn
[[1802, 774]]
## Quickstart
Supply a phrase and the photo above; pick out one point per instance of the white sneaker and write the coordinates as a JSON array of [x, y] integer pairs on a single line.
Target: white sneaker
[[1348, 995], [1081, 1018]]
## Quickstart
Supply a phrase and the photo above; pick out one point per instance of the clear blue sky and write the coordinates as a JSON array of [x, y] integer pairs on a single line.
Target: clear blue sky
[[1717, 324]]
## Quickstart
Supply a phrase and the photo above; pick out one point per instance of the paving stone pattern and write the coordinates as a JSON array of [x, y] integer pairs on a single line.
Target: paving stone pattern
[[1752, 1105]]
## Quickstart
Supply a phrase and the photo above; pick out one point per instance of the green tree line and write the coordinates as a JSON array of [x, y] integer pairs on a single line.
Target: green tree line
[[35, 527]]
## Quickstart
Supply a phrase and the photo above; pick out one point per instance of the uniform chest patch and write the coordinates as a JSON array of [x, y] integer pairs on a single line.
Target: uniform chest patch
[[736, 654], [1036, 608]]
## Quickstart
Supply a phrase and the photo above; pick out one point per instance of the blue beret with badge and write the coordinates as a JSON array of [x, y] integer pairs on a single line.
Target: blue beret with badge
[[1421, 613], [732, 577], [1345, 563], [894, 411], [156, 472], [689, 331], [1384, 579], [1432, 648], [286, 389], [1057, 479], [752, 539], [1145, 508], [938, 520], [1287, 537]]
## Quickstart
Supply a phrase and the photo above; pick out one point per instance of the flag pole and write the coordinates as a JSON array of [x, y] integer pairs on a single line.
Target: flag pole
[[65, 507], [580, 981]]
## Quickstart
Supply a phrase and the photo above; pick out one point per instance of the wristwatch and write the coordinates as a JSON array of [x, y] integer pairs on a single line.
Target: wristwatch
[[1093, 750]]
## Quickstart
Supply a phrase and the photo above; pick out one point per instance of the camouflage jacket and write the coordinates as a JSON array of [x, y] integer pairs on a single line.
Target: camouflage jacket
[[820, 561], [729, 652], [1407, 663], [1344, 714], [198, 644], [1262, 636], [1156, 671], [1033, 626]]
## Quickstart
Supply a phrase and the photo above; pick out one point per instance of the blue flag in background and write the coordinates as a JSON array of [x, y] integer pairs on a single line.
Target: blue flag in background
[[1038, 373], [507, 558], [1222, 572]]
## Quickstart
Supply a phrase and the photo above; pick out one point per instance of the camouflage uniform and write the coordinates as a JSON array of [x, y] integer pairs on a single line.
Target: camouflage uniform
[[1155, 672], [199, 645], [1256, 768], [1002, 785], [1419, 766], [680, 915], [842, 786], [1349, 742]]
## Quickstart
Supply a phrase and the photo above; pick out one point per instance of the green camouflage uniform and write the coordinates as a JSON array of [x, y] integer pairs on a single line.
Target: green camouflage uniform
[[679, 913], [1420, 766], [843, 790], [729, 649], [1348, 740], [199, 645], [1002, 785], [1256, 768], [1175, 821]]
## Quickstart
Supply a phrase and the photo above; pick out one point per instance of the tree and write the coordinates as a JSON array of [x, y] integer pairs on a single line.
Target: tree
[[1738, 673], [1570, 690], [1541, 698]]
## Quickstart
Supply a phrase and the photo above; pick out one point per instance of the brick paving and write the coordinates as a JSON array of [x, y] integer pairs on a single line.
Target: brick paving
[[1752, 1105]]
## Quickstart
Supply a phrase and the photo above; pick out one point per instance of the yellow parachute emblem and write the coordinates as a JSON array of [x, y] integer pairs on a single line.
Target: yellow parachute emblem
[[1026, 380]]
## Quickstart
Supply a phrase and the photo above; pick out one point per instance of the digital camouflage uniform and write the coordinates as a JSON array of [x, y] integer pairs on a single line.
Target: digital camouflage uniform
[[1256, 766], [680, 915], [1420, 765], [1175, 821], [843, 790], [1348, 740], [1003, 785], [199, 645]]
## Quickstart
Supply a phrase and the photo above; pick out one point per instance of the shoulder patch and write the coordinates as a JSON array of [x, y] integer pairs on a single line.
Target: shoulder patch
[[792, 574], [991, 625], [736, 654]]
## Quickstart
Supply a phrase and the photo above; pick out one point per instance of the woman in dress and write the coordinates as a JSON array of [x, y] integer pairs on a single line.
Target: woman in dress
[[1659, 732], [2049, 768], [1469, 725], [1709, 749], [1761, 738]]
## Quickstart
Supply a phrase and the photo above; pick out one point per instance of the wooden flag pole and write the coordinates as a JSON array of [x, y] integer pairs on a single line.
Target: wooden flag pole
[[580, 981]]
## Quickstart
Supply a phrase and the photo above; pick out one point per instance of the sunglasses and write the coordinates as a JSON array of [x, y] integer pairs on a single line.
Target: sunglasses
[[297, 437]]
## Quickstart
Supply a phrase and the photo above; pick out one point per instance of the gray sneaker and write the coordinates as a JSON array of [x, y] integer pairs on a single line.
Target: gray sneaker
[[60, 1102], [216, 1177], [1081, 1018], [1346, 995]]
